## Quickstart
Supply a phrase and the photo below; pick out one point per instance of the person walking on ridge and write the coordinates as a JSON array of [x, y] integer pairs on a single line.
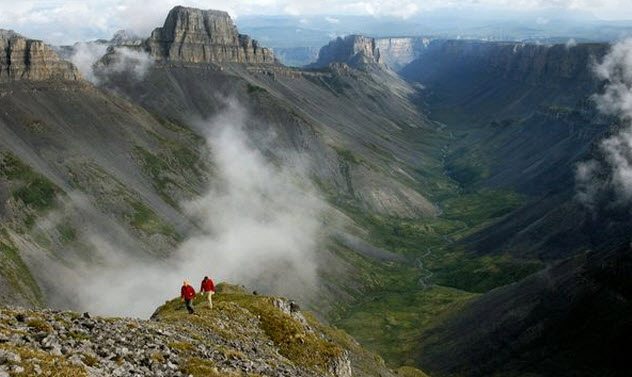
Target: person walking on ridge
[[187, 293], [208, 288]]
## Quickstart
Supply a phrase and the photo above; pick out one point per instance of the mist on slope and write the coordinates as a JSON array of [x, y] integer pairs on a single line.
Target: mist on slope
[[122, 60], [607, 179], [84, 57], [259, 226]]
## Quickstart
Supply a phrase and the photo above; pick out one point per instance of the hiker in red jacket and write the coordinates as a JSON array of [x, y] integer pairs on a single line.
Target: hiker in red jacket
[[208, 288], [188, 294]]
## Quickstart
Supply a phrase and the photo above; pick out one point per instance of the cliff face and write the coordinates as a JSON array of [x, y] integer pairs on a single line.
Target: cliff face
[[354, 50], [399, 52], [529, 63], [204, 36], [28, 59]]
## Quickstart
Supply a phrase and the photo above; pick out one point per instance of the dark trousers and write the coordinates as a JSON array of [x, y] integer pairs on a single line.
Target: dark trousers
[[187, 303]]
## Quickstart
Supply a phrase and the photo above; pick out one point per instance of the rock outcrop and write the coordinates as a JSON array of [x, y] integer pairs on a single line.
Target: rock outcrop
[[192, 35], [357, 51], [28, 59], [242, 335]]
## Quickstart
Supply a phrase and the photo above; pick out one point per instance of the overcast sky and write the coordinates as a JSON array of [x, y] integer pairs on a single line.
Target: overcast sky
[[66, 21]]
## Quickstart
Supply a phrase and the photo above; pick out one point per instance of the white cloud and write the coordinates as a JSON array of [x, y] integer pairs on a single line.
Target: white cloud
[[91, 19], [571, 43], [129, 61], [84, 57], [609, 176], [260, 226]]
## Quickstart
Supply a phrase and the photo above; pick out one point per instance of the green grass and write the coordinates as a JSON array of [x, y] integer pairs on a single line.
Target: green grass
[[39, 324], [66, 233], [14, 169], [347, 155], [468, 166], [157, 169], [293, 340], [16, 273], [394, 310], [49, 365], [145, 219], [298, 345], [404, 236], [255, 89], [38, 194], [171, 169], [480, 273], [198, 367], [461, 216], [28, 186], [410, 372], [390, 322], [480, 207]]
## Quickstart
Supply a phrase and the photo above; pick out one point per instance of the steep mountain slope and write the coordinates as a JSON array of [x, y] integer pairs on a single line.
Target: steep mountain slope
[[75, 166], [523, 118], [93, 176], [329, 126], [569, 320]]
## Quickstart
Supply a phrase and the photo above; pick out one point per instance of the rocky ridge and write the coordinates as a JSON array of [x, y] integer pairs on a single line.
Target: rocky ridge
[[29, 59], [243, 335]]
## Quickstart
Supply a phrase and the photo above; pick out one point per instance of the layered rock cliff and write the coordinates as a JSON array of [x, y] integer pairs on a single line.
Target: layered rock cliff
[[27, 59], [528, 63], [353, 50], [192, 35], [399, 52]]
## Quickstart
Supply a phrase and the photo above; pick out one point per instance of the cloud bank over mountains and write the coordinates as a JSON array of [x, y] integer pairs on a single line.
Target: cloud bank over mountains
[[66, 21], [607, 179]]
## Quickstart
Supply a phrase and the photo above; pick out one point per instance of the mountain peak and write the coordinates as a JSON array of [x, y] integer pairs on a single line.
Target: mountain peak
[[125, 37], [30, 59], [180, 9], [4, 33], [194, 35], [354, 50]]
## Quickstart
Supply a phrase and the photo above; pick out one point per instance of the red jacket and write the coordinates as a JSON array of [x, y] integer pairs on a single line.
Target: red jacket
[[187, 292], [207, 285]]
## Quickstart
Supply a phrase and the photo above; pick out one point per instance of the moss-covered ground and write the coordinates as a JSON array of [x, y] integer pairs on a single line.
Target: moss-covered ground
[[293, 340]]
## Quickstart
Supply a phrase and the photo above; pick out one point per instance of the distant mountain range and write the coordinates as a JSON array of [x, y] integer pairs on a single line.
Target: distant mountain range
[[296, 38]]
